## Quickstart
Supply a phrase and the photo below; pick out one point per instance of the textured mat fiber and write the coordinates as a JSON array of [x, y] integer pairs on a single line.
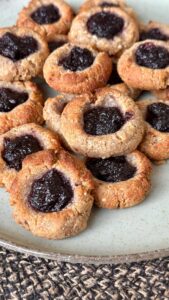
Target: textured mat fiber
[[30, 278]]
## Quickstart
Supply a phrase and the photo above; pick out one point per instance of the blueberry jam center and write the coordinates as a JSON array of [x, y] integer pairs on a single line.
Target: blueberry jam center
[[150, 56], [15, 150], [17, 48], [113, 169], [114, 77], [108, 4], [77, 60], [105, 25], [158, 116], [9, 99], [153, 34], [46, 14], [103, 120], [53, 45], [50, 193]]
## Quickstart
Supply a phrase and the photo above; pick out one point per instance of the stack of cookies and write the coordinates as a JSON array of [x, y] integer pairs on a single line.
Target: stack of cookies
[[97, 141]]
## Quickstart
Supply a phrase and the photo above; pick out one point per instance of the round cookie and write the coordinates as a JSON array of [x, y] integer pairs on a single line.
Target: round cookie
[[20, 103], [121, 181], [110, 29], [154, 31], [116, 82], [156, 140], [107, 124], [51, 196], [17, 144], [48, 17], [52, 113], [145, 65], [22, 53], [89, 4], [77, 69], [55, 41]]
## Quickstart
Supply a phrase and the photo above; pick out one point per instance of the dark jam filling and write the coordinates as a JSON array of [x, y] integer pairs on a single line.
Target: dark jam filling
[[107, 4], [113, 169], [53, 45], [153, 34], [103, 120], [114, 77], [17, 48], [105, 25], [151, 56], [9, 99], [77, 60], [46, 14], [158, 116], [15, 150], [50, 193]]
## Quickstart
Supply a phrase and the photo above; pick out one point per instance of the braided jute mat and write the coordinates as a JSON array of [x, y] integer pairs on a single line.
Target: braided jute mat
[[31, 278]]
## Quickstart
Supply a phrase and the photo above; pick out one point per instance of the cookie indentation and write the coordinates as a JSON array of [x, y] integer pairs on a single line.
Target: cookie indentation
[[15, 150], [113, 169], [103, 120], [46, 14], [151, 56], [105, 25], [153, 34], [9, 99], [53, 45], [158, 116], [50, 193], [77, 60], [17, 48]]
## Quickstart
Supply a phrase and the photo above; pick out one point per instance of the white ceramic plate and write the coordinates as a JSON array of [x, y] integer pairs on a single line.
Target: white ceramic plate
[[131, 234]]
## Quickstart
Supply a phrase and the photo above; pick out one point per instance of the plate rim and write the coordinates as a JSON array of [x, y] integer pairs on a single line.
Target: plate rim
[[84, 259]]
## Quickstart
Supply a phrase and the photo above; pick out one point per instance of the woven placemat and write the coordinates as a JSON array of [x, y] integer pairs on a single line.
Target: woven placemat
[[31, 278]]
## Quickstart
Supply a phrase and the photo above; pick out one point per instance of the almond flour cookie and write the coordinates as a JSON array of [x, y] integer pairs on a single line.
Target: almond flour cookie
[[77, 69], [154, 31], [22, 53], [145, 65], [121, 181], [17, 144], [89, 4], [116, 82], [47, 17], [56, 40], [107, 124], [51, 196], [156, 140], [20, 103], [111, 30]]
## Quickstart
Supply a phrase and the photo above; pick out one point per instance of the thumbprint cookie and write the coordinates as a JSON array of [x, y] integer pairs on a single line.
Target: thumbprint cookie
[[145, 65], [77, 69], [22, 53], [156, 140], [121, 181], [47, 17], [111, 30], [20, 103], [154, 31], [51, 196], [17, 144], [107, 124]]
